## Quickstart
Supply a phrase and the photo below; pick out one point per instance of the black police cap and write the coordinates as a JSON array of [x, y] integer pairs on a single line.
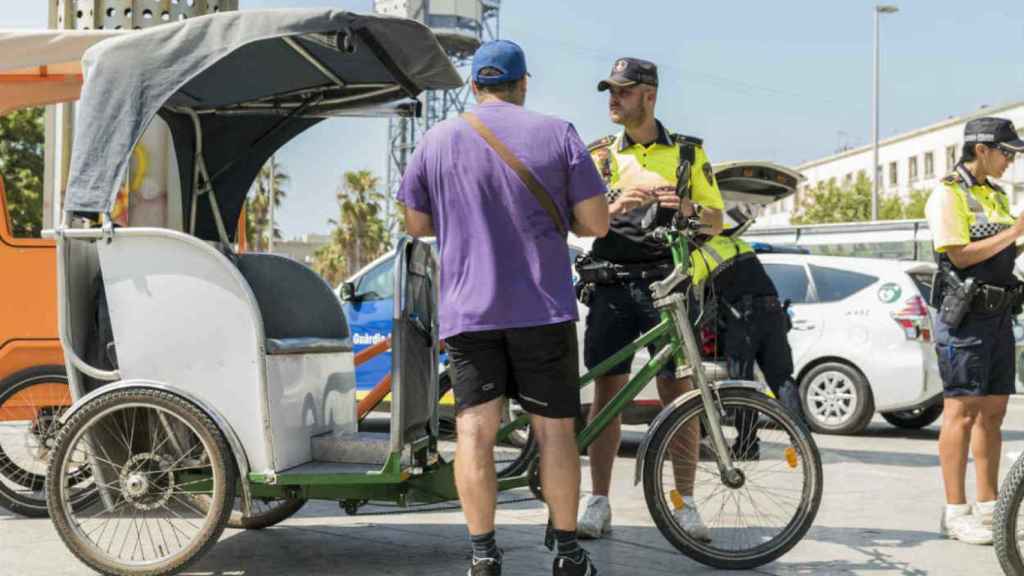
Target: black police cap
[[629, 72], [994, 132]]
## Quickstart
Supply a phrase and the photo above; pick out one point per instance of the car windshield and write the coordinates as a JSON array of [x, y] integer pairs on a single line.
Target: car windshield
[[379, 282]]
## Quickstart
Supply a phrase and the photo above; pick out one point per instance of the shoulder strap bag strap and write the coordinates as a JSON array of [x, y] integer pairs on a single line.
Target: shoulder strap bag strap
[[517, 166]]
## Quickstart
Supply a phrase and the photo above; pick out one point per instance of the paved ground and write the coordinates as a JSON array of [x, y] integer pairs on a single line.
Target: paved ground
[[879, 516]]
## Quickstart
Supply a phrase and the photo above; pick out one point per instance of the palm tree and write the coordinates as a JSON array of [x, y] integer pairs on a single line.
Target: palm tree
[[257, 212], [360, 232]]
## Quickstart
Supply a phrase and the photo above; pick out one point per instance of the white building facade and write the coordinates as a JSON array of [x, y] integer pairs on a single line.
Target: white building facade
[[914, 160]]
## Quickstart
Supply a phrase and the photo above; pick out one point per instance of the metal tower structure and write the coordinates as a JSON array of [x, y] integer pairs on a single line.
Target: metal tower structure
[[461, 26]]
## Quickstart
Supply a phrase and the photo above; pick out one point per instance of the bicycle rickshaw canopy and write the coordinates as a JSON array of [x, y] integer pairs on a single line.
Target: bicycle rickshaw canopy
[[234, 87]]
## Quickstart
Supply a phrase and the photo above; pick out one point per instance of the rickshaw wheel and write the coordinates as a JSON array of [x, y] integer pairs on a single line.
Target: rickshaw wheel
[[265, 512], [31, 404], [151, 453]]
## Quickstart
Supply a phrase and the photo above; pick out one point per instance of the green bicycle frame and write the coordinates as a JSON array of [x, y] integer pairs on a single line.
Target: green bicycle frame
[[670, 348]]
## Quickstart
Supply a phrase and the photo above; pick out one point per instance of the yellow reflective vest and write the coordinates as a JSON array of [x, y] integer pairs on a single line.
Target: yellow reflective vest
[[715, 253]]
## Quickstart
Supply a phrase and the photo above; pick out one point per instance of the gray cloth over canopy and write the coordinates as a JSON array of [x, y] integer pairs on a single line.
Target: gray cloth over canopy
[[256, 79]]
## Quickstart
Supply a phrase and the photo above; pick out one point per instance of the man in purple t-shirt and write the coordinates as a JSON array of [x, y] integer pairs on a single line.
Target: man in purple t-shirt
[[508, 309]]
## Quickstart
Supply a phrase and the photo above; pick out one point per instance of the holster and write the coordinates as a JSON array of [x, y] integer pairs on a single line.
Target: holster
[[595, 271], [957, 296]]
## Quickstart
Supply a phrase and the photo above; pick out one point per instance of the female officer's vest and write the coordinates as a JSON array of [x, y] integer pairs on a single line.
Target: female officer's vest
[[987, 220]]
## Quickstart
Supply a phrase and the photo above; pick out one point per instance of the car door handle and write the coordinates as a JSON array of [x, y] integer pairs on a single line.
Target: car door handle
[[803, 325]]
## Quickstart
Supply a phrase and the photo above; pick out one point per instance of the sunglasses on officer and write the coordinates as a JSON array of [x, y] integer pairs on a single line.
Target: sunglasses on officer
[[1008, 154]]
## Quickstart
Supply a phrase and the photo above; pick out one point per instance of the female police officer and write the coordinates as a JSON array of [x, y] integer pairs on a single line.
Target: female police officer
[[975, 236]]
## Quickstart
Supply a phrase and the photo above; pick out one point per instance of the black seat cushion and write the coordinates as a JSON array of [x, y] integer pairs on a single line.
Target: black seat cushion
[[294, 301]]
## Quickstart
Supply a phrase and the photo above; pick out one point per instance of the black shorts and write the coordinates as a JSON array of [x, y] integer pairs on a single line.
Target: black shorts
[[538, 366], [977, 357], [619, 313]]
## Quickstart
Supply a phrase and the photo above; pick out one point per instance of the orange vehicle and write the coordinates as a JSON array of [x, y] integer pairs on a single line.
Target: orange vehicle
[[36, 68]]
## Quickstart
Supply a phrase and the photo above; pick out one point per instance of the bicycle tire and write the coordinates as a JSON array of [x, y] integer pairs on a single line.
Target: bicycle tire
[[794, 530], [1005, 521], [216, 455], [18, 485]]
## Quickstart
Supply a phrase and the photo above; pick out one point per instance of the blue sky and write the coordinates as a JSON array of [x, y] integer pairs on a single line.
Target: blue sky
[[781, 81]]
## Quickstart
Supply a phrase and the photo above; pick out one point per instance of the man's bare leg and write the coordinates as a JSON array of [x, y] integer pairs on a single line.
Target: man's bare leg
[[685, 448], [476, 431], [605, 448], [559, 468]]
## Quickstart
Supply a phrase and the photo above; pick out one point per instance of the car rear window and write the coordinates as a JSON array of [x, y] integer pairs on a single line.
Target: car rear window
[[834, 284], [790, 281]]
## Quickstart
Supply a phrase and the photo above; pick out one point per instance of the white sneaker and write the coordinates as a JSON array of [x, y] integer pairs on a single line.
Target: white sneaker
[[596, 519], [690, 521], [958, 524], [984, 512]]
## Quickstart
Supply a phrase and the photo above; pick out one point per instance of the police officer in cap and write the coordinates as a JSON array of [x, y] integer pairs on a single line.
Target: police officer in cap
[[975, 238], [639, 166]]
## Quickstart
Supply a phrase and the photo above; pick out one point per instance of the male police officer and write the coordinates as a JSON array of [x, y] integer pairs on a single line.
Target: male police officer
[[753, 322], [639, 166]]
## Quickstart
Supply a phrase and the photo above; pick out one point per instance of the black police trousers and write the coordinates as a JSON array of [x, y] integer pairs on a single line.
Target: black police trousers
[[759, 336]]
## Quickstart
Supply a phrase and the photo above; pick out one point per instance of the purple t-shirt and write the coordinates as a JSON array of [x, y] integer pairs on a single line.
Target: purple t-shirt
[[503, 262]]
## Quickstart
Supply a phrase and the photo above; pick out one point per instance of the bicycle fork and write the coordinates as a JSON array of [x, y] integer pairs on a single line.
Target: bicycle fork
[[675, 305]]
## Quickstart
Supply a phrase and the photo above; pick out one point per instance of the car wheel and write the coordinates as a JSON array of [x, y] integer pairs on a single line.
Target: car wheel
[[837, 399], [914, 418]]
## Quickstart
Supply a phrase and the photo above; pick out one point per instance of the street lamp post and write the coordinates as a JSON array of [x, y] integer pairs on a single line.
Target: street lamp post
[[875, 178]]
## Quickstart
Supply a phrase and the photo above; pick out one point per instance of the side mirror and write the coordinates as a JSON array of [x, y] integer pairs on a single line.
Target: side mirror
[[348, 291]]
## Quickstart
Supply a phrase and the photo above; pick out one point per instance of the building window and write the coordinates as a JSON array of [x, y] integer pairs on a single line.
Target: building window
[[893, 175], [950, 158], [929, 165], [912, 169], [848, 179], [878, 174]]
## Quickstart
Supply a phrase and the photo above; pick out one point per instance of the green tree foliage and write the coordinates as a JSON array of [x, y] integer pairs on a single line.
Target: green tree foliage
[[22, 139], [829, 203], [257, 207], [914, 207], [360, 232]]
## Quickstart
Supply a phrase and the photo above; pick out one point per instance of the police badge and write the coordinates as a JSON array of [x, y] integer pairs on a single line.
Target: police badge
[[708, 174]]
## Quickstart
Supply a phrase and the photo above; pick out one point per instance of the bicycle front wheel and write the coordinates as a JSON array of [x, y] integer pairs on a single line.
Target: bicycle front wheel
[[750, 520], [1007, 528]]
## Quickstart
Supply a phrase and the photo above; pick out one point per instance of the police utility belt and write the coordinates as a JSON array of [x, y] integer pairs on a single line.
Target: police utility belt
[[596, 271], [958, 297]]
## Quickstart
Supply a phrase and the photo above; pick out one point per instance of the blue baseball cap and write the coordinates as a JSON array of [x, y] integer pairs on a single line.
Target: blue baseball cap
[[502, 55]]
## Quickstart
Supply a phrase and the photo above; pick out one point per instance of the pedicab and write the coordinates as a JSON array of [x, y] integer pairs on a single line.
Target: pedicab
[[37, 67], [233, 390]]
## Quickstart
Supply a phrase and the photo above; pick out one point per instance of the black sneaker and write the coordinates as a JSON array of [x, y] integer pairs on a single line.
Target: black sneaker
[[565, 566], [485, 567]]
